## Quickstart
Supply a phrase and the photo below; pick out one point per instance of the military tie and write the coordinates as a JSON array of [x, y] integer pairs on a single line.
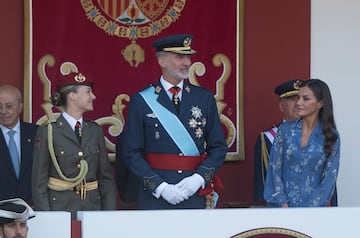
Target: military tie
[[175, 91], [14, 153], [78, 131]]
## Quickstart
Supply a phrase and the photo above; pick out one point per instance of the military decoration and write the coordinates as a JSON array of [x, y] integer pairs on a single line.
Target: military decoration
[[133, 19], [197, 121]]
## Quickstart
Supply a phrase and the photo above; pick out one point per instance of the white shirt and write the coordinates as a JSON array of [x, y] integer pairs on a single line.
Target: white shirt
[[72, 121], [168, 85]]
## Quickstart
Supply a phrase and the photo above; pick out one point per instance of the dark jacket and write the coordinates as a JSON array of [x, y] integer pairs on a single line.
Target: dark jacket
[[10, 186]]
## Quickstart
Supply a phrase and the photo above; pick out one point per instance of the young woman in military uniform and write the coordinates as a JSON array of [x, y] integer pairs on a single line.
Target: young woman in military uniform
[[71, 169]]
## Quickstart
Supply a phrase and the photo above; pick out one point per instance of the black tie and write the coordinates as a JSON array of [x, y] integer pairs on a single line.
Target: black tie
[[78, 131], [175, 91]]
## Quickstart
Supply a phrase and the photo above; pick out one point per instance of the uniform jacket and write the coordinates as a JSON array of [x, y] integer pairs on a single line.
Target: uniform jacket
[[67, 148], [259, 165], [145, 134], [10, 186]]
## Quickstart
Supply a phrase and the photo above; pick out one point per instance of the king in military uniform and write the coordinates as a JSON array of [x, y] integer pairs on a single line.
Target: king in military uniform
[[173, 140]]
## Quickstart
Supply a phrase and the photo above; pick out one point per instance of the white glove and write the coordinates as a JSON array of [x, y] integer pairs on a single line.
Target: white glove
[[173, 195], [190, 185]]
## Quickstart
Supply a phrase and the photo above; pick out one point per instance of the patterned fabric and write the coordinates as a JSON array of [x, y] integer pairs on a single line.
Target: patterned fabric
[[301, 177]]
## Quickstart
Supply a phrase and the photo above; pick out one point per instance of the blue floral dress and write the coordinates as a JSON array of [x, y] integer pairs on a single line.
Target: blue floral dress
[[301, 177]]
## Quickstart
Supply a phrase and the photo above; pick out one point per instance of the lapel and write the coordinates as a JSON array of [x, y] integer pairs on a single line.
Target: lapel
[[65, 129], [185, 99], [25, 146], [86, 132], [164, 99]]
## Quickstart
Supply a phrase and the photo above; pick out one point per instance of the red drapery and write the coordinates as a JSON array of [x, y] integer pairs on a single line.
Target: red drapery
[[110, 41]]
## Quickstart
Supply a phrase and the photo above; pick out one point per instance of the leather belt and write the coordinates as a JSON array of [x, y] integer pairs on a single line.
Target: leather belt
[[173, 161]]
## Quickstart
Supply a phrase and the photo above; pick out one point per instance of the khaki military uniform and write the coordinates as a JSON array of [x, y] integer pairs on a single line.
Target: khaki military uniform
[[69, 152]]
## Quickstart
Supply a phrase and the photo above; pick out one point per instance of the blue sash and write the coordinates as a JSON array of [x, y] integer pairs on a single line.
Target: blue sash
[[171, 123]]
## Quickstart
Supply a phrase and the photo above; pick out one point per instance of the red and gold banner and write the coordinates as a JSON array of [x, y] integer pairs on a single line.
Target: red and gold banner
[[110, 42]]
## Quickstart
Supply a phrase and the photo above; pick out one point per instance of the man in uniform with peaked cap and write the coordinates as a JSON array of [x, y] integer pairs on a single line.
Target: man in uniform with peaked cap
[[173, 140], [288, 94], [14, 214]]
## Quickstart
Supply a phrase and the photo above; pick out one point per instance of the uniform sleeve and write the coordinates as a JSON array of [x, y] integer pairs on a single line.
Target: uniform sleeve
[[40, 170], [274, 190], [106, 181], [134, 145], [259, 169]]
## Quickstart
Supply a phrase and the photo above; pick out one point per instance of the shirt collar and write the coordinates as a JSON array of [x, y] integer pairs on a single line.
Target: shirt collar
[[72, 121], [16, 128], [168, 85]]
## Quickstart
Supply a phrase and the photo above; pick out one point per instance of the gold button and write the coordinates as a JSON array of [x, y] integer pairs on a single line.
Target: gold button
[[80, 153], [181, 154], [62, 152], [78, 166]]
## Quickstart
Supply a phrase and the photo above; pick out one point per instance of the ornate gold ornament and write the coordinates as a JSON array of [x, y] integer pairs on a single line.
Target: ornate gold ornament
[[133, 19], [115, 122]]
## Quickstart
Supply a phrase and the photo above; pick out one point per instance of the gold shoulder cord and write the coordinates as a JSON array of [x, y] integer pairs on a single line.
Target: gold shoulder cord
[[73, 181], [264, 157]]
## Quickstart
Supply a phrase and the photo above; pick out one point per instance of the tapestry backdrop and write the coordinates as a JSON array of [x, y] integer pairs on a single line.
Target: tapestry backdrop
[[110, 42]]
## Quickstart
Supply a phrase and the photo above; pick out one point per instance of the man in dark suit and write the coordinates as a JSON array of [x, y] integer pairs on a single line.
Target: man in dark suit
[[173, 138], [15, 180]]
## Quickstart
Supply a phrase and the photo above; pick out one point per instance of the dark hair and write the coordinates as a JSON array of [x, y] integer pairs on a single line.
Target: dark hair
[[58, 98], [326, 115]]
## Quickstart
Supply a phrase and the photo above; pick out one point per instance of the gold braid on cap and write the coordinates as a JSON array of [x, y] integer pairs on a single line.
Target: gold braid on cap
[[296, 86], [290, 93], [177, 48], [186, 46]]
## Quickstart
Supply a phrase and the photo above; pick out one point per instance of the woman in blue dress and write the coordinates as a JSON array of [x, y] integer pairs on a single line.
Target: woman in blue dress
[[304, 159]]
